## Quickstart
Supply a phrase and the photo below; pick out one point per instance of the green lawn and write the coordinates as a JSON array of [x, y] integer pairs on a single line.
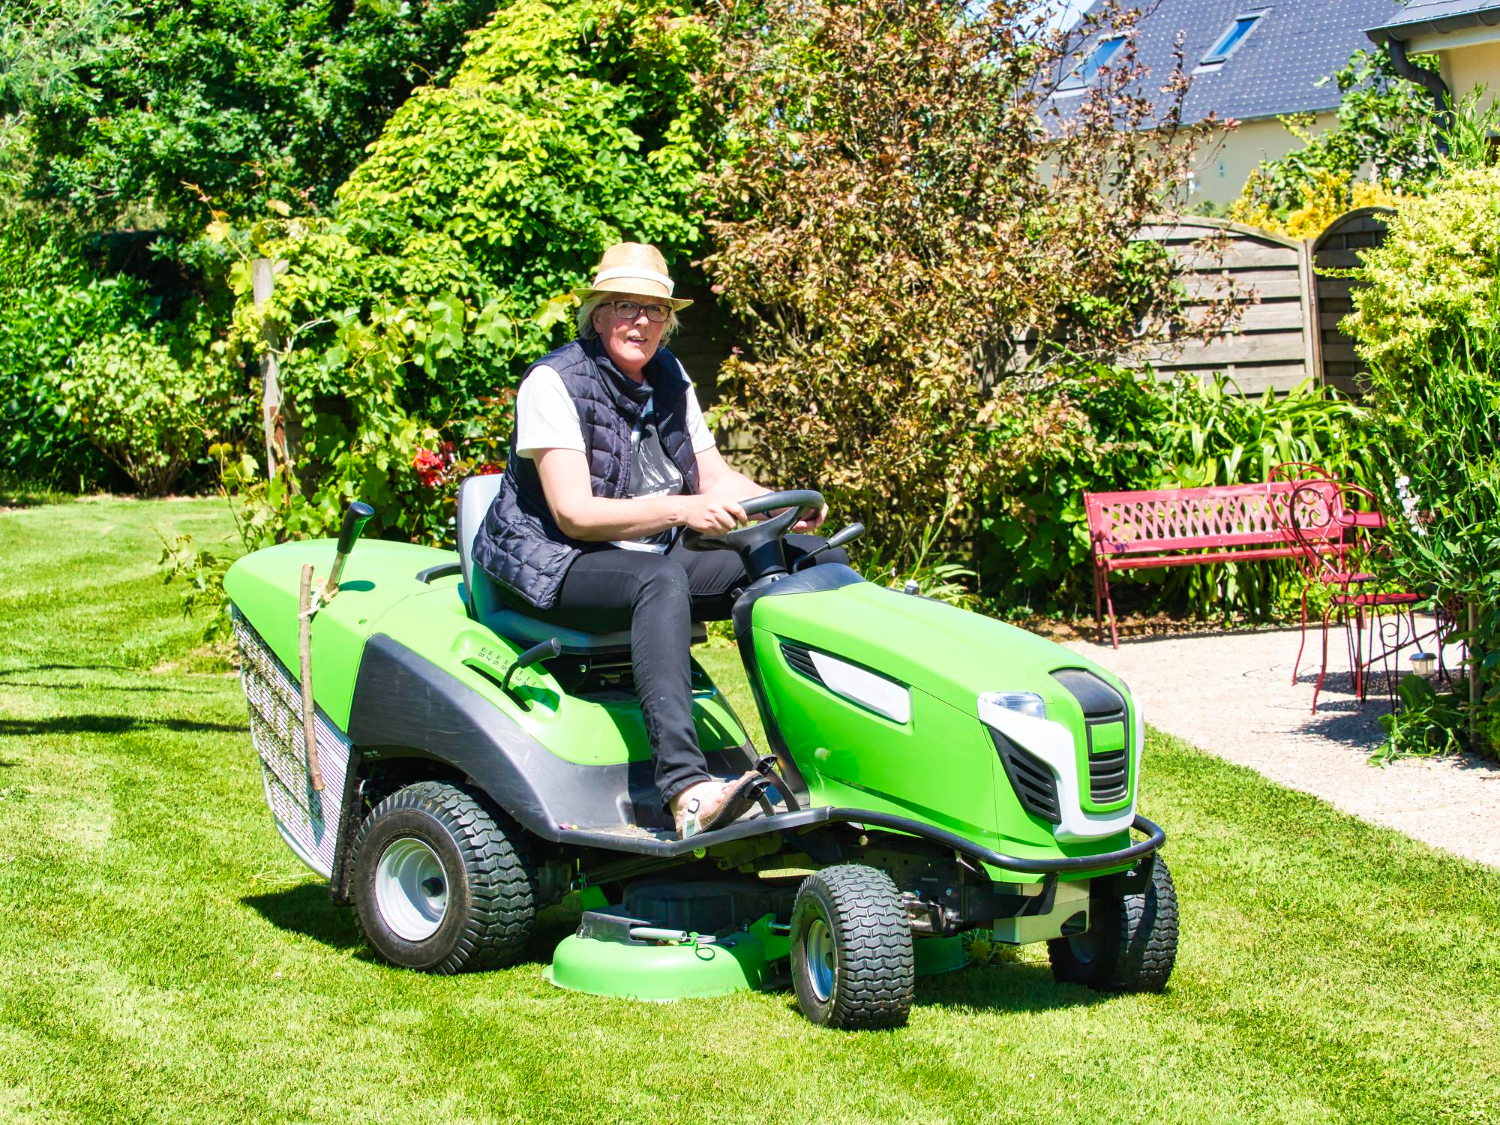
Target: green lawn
[[165, 957]]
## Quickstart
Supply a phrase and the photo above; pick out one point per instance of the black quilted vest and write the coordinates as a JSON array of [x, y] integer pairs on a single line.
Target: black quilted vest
[[520, 544]]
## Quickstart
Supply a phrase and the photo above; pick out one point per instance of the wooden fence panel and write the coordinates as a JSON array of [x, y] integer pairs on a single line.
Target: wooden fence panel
[[1338, 248], [1273, 344], [1288, 330]]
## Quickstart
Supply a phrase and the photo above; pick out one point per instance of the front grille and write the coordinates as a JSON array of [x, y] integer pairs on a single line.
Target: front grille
[[800, 659], [1103, 706], [1034, 785], [1108, 776]]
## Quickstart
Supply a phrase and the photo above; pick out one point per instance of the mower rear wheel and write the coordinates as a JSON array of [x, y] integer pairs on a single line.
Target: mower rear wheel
[[443, 882], [852, 961], [1131, 942]]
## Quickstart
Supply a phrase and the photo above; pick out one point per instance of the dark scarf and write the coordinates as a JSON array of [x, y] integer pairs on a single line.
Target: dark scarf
[[622, 383]]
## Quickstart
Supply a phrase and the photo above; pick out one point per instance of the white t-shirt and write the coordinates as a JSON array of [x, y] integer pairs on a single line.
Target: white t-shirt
[[547, 418]]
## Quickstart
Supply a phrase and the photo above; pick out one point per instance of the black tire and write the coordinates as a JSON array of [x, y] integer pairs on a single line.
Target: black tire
[[1131, 943], [859, 972], [489, 886]]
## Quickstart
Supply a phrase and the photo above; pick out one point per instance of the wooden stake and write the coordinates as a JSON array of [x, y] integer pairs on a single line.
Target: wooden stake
[[262, 280], [304, 642]]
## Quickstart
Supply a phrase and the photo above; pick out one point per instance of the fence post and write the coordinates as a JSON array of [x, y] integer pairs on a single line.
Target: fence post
[[1311, 316], [262, 281]]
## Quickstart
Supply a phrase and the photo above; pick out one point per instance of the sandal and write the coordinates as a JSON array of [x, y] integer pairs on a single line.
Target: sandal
[[743, 794]]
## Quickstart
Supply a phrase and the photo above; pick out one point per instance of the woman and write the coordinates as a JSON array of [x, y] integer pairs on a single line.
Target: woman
[[609, 461]]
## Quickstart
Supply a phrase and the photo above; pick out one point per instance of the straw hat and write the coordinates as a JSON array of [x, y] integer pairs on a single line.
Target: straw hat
[[633, 269]]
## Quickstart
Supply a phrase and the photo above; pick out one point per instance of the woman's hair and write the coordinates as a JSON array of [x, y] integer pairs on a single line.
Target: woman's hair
[[586, 314]]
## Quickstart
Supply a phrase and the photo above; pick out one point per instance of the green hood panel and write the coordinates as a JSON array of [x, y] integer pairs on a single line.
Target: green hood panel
[[944, 651]]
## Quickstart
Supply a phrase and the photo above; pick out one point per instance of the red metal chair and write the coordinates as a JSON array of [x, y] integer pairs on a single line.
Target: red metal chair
[[1328, 511], [1321, 541]]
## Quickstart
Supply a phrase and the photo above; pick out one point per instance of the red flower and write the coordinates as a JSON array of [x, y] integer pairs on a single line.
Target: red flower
[[429, 467]]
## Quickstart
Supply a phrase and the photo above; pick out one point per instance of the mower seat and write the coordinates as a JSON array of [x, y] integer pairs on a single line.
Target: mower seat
[[475, 495]]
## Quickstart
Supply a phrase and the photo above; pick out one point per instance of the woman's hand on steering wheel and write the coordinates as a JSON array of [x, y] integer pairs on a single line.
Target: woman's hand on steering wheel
[[812, 522], [712, 515]]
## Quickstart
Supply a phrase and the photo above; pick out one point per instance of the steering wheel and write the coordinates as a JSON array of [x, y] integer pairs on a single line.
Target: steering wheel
[[760, 543]]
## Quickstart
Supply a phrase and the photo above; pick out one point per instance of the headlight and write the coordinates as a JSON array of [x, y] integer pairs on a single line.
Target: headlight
[[1021, 702]]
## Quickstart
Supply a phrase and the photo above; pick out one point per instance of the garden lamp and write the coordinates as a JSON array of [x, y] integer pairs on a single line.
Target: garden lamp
[[1423, 663]]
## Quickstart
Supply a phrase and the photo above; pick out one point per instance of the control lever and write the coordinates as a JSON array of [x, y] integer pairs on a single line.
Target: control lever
[[838, 539], [355, 518], [545, 651]]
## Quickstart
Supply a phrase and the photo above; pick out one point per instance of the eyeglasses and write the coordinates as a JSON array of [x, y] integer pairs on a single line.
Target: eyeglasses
[[631, 310]]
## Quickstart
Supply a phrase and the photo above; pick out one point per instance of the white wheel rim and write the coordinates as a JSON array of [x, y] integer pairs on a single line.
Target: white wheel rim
[[819, 951], [411, 889]]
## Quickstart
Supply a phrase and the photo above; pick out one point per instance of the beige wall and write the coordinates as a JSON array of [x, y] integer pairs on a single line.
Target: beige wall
[[1475, 65], [1223, 167]]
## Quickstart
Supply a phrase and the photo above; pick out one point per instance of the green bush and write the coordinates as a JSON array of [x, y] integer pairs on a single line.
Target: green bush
[[1427, 324], [50, 302], [122, 124], [405, 321], [1125, 431], [134, 403]]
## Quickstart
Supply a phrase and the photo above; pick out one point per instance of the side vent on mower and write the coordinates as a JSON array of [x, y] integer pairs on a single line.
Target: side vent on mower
[[1034, 785], [800, 659], [859, 685], [1107, 724]]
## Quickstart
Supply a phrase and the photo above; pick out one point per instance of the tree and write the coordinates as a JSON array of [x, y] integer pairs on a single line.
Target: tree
[[912, 234], [123, 124], [406, 318]]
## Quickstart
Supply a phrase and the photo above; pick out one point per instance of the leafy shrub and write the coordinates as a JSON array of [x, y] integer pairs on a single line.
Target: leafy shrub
[[136, 405], [404, 321], [120, 123], [889, 232], [1432, 283], [1427, 723], [1123, 431], [151, 106], [50, 302], [1427, 324]]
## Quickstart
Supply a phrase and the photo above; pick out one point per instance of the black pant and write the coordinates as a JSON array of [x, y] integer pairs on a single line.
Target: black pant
[[657, 597]]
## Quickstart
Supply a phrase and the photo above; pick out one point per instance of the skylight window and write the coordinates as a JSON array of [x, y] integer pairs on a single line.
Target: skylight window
[[1098, 59], [1233, 36]]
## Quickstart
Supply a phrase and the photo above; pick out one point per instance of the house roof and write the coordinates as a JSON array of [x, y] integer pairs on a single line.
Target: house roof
[[1276, 67], [1437, 17]]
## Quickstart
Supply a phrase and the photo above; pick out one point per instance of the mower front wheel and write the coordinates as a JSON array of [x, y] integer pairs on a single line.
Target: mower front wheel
[[1131, 942], [852, 960], [442, 882]]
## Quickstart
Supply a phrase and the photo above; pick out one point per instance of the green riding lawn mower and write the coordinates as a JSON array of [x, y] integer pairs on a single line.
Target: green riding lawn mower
[[452, 767]]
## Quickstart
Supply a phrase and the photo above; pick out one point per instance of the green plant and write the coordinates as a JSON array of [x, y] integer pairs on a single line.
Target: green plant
[[51, 300], [908, 245], [1426, 324], [131, 400], [403, 323], [121, 122], [1426, 724]]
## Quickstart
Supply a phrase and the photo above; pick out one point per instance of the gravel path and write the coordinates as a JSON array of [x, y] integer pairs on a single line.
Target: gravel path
[[1231, 693]]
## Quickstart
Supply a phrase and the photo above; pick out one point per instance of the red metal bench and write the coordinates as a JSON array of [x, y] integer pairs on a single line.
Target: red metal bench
[[1195, 526]]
